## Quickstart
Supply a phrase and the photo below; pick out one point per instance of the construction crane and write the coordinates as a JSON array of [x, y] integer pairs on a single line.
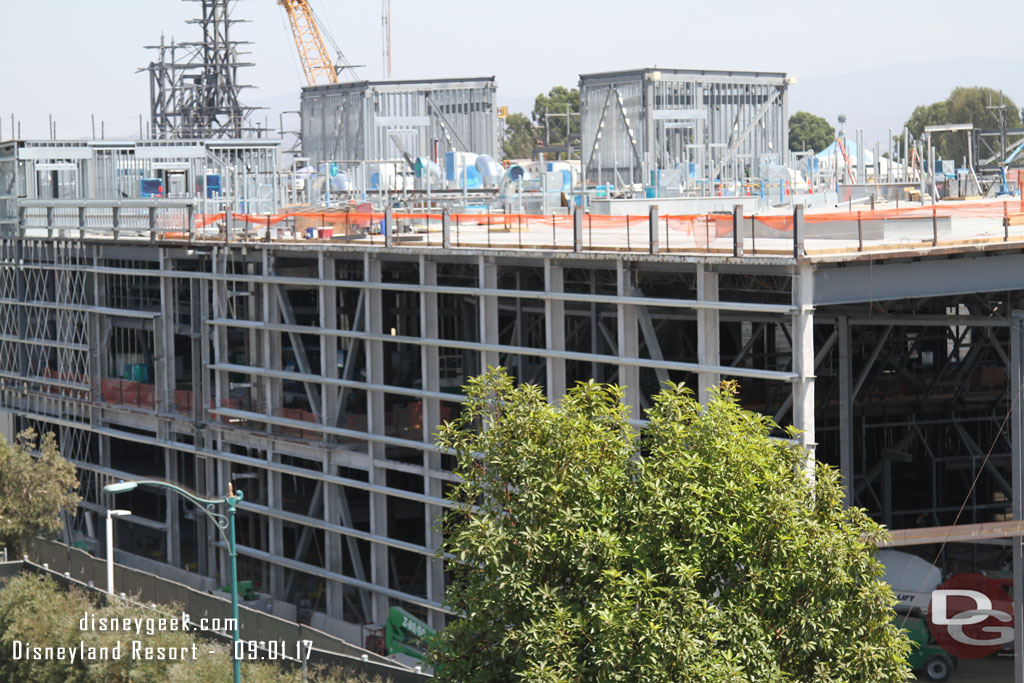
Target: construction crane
[[316, 63]]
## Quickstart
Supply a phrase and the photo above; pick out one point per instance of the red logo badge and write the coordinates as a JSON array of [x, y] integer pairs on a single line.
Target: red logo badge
[[971, 616]]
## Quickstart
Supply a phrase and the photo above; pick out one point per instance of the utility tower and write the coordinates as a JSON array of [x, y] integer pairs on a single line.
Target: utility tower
[[193, 86]]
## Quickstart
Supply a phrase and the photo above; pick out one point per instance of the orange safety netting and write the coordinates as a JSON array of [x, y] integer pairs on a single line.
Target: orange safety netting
[[703, 227]]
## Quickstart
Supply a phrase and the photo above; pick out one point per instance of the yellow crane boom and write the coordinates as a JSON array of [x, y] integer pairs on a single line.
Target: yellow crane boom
[[316, 63]]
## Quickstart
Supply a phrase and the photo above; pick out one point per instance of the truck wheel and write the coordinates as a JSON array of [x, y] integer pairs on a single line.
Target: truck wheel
[[938, 668]]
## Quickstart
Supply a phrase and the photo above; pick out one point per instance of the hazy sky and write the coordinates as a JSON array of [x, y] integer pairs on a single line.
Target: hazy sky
[[73, 58]]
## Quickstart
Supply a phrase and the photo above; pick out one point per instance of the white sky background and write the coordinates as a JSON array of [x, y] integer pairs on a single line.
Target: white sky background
[[73, 58]]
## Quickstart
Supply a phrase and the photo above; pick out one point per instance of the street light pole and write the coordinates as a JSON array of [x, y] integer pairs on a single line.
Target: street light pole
[[222, 523], [110, 545]]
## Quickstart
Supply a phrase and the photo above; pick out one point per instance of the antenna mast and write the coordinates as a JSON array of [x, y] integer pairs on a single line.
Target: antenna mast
[[385, 22]]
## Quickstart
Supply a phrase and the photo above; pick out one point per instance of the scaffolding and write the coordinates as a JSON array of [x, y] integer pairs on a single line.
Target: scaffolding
[[193, 86]]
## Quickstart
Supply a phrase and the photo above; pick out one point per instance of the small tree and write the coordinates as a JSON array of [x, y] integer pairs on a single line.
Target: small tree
[[519, 137], [807, 131], [549, 114], [695, 551], [33, 491]]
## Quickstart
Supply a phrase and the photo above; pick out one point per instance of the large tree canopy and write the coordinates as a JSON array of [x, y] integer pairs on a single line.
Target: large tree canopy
[[695, 551], [807, 131], [964, 105], [33, 490]]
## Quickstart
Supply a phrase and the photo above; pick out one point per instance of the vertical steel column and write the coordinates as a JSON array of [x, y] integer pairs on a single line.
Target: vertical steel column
[[375, 424], [163, 339], [628, 338], [220, 332], [275, 527], [803, 361], [430, 369], [173, 537], [272, 352], [846, 409], [488, 311], [327, 302], [554, 329], [707, 331], [1016, 433]]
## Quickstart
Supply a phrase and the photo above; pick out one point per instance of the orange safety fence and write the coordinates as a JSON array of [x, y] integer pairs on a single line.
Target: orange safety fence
[[704, 227]]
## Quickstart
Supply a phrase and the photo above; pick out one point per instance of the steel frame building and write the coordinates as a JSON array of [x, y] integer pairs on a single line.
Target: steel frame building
[[313, 375], [385, 120], [641, 122], [246, 170]]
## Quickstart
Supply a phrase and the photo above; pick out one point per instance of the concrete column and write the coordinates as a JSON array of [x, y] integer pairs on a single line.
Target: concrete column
[[554, 329], [708, 346], [446, 229], [737, 230], [628, 339], [375, 423], [803, 361], [577, 230], [652, 226], [488, 312]]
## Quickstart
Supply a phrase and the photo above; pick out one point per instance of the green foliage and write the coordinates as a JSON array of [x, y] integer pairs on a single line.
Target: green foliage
[[35, 610], [807, 131], [32, 491], [694, 551], [549, 115], [519, 137], [964, 105]]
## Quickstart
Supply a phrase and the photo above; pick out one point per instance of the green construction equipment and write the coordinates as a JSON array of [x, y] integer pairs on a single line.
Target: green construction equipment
[[405, 634]]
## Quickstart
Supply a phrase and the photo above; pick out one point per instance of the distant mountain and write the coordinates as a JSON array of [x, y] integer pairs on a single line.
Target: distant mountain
[[883, 98]]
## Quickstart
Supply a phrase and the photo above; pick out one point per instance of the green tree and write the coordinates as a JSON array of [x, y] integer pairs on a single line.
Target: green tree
[[34, 610], [549, 116], [33, 490], [964, 105], [694, 551], [807, 131], [519, 137]]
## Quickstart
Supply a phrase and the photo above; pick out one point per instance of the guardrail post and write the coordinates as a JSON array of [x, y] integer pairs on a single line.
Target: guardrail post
[[577, 230], [81, 222], [49, 221], [152, 224], [798, 231], [190, 222], [737, 230], [935, 228], [389, 228], [446, 229], [115, 220], [653, 229]]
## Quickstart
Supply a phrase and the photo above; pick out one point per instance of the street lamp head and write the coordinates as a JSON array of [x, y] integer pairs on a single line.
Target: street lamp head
[[121, 487], [119, 513]]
